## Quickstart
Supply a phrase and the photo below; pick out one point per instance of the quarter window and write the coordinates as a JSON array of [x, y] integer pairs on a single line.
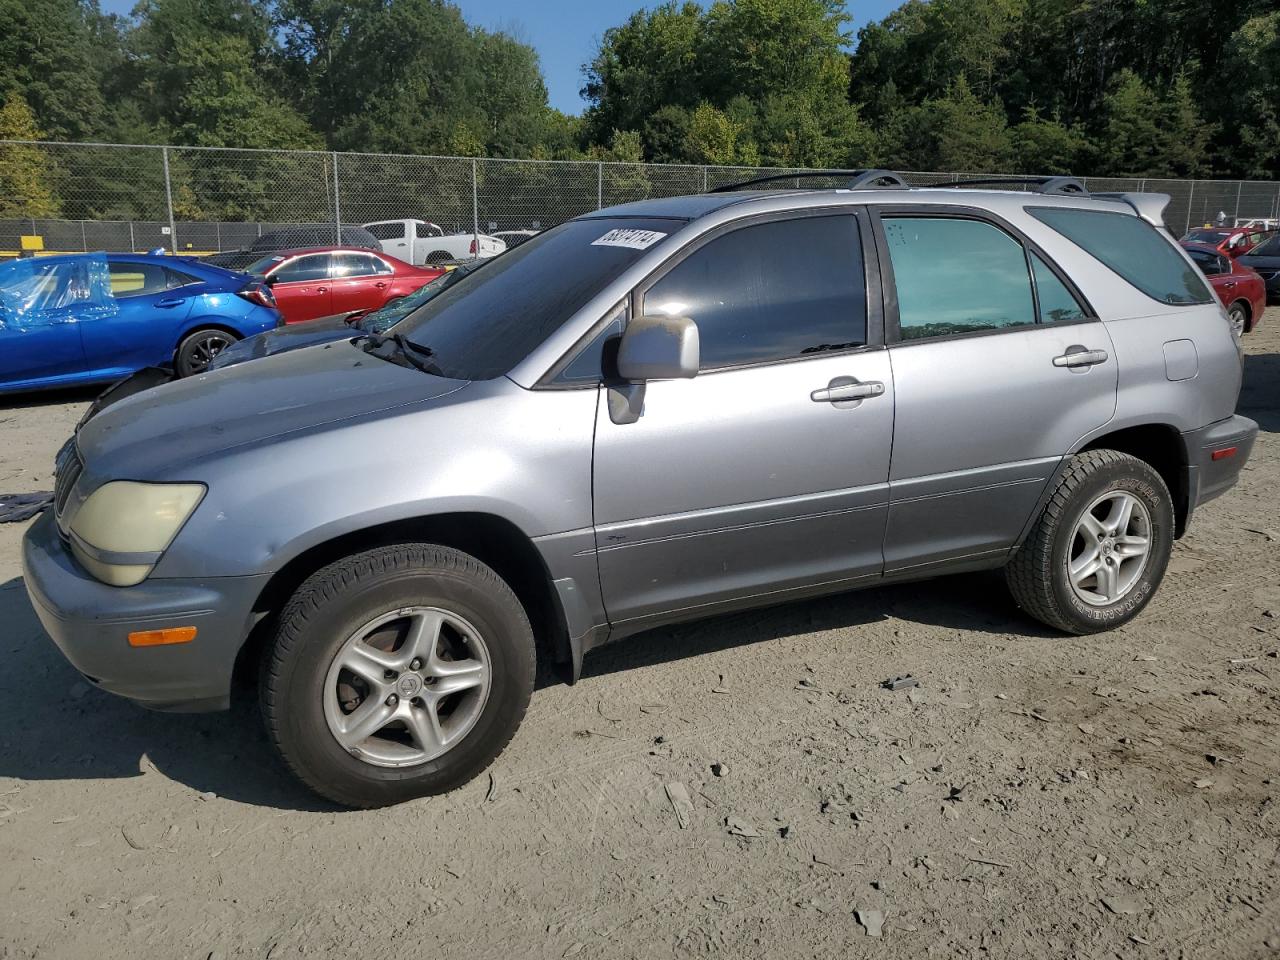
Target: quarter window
[[1132, 248], [773, 291], [957, 276]]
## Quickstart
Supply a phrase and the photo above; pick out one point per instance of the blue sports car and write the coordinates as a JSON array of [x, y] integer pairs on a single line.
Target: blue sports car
[[92, 318]]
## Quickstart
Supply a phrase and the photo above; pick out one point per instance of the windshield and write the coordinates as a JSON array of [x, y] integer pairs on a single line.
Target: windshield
[[1269, 249], [382, 319], [1214, 237], [483, 325]]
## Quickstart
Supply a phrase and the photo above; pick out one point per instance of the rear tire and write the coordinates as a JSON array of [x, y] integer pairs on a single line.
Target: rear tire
[[1238, 314], [1099, 550], [451, 620], [198, 348]]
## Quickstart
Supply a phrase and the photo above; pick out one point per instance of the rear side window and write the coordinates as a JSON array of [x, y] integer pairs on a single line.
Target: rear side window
[[427, 230], [137, 279], [355, 265], [773, 291], [1057, 304], [1132, 248], [179, 279], [957, 276]]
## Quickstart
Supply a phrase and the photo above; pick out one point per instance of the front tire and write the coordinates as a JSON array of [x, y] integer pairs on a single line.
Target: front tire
[[198, 348], [1099, 550], [397, 673]]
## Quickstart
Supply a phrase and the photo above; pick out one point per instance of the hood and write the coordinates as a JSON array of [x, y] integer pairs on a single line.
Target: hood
[[148, 435], [291, 336]]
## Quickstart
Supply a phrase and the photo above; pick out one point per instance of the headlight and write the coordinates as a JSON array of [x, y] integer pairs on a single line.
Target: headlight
[[120, 532]]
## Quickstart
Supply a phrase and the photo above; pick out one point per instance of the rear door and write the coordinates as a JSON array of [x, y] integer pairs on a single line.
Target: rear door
[[393, 237], [361, 281], [1000, 368], [302, 287], [145, 331], [753, 478]]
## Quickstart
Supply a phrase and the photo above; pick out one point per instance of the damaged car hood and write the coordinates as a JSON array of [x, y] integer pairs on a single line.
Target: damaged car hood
[[151, 433]]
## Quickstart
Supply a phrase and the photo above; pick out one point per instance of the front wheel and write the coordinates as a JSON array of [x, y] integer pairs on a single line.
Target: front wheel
[[1099, 550], [198, 348], [397, 673]]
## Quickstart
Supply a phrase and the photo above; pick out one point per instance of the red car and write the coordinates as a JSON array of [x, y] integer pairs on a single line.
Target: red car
[[321, 281], [1242, 291], [1232, 241]]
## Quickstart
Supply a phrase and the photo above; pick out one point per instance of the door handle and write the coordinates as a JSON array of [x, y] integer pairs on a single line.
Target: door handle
[[1229, 284], [322, 289], [1077, 356], [846, 388], [380, 285], [171, 302]]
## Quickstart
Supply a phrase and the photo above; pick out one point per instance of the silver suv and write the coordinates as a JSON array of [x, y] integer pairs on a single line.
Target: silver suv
[[649, 414]]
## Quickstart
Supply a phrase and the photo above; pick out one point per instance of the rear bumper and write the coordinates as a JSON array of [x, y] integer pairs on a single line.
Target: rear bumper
[[90, 623], [1232, 439]]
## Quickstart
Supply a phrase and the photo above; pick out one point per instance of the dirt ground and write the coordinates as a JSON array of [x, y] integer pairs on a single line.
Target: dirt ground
[[1036, 796]]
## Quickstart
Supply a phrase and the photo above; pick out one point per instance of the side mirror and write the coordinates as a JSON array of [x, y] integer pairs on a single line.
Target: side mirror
[[270, 280], [659, 348]]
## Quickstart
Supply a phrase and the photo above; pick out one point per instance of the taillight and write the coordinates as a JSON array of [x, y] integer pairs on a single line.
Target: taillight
[[258, 293], [473, 245]]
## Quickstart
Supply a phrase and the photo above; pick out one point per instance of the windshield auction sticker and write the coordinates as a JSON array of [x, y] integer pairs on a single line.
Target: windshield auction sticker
[[635, 239]]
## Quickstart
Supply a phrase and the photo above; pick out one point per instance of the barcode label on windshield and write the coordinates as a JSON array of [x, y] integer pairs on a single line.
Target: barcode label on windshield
[[635, 239]]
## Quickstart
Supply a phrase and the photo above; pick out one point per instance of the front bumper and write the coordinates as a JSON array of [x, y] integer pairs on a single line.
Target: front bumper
[[90, 623], [1208, 478]]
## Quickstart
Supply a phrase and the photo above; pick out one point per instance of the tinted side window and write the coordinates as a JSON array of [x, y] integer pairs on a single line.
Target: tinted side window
[[355, 265], [588, 365], [304, 268], [179, 279], [1057, 304], [426, 230], [1132, 248], [773, 291], [957, 276], [387, 231], [137, 279]]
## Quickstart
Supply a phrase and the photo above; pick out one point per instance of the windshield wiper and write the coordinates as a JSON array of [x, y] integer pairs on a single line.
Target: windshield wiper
[[415, 354]]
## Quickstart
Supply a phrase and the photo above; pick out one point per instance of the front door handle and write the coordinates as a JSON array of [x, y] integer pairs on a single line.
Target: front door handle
[[845, 389], [1077, 356]]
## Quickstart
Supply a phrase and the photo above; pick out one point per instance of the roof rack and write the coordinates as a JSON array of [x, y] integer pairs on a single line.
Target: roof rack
[[857, 179], [1067, 185]]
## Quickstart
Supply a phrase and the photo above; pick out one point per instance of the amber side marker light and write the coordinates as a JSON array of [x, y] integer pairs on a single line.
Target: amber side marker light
[[160, 638], [1223, 453]]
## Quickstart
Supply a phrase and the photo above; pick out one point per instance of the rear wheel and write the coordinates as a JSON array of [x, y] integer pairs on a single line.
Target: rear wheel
[[1238, 314], [397, 673], [1098, 552], [198, 348]]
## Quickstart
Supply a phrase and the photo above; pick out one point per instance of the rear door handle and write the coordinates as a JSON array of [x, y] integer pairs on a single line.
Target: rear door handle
[[171, 302], [1080, 357], [846, 388]]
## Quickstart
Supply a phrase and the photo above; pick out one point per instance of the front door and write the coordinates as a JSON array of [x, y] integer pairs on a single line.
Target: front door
[[302, 287], [1000, 370], [767, 472], [42, 307]]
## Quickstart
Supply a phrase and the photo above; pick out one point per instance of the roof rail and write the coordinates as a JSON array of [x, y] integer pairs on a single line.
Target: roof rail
[[1067, 185], [858, 179]]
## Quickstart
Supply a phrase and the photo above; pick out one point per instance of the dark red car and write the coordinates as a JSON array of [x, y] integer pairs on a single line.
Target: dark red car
[[1242, 291], [1231, 241], [321, 281]]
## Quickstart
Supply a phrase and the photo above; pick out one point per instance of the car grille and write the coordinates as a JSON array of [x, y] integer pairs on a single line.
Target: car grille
[[66, 472]]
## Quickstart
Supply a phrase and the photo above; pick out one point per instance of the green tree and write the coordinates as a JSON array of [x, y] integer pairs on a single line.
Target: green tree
[[1047, 145], [1130, 136], [957, 132], [26, 188]]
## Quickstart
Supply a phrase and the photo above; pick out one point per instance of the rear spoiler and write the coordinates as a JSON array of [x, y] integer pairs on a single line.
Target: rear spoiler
[[1149, 206]]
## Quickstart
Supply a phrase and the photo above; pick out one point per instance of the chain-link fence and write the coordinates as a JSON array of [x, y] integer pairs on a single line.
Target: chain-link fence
[[80, 197]]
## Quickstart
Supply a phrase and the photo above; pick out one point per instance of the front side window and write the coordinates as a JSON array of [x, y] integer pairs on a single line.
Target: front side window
[[1132, 248], [773, 291], [957, 276], [315, 267]]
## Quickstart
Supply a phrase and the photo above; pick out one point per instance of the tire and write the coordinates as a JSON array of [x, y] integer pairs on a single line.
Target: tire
[[320, 631], [1040, 576], [1238, 314], [198, 348]]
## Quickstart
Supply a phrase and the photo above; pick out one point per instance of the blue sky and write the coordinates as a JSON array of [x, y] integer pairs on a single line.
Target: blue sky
[[565, 32]]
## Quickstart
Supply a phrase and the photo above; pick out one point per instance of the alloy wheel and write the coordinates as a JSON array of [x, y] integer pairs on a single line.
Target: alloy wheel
[[1110, 548]]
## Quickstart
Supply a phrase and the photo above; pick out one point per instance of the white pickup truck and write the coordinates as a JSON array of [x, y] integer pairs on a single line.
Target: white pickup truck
[[420, 242]]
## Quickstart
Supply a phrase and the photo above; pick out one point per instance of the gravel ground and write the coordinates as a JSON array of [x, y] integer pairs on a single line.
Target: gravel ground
[[1036, 796]]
